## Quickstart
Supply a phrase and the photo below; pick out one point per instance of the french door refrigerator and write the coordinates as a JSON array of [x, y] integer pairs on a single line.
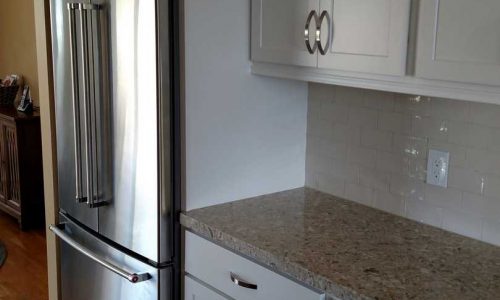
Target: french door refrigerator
[[116, 88]]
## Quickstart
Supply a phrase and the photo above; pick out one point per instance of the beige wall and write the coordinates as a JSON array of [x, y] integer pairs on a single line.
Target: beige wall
[[48, 137], [371, 147], [17, 42]]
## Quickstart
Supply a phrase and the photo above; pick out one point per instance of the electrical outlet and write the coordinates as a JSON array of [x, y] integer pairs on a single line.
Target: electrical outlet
[[437, 168]]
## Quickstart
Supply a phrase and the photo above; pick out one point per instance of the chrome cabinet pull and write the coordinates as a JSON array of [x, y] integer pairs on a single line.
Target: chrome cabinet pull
[[307, 38], [239, 282], [76, 102], [323, 49], [131, 277]]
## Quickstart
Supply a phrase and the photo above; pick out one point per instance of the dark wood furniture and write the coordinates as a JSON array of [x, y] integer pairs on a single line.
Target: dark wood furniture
[[21, 175]]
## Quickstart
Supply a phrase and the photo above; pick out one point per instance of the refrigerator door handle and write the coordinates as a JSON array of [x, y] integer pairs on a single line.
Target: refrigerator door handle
[[72, 7], [131, 277], [86, 80], [90, 27]]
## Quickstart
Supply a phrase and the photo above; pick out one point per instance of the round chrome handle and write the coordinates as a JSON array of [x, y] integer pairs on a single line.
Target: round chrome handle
[[322, 49], [239, 282], [307, 38]]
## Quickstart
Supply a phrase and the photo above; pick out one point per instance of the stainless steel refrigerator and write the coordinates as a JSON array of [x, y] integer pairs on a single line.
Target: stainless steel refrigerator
[[116, 87]]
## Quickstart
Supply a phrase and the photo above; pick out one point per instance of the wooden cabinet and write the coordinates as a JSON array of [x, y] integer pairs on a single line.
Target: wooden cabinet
[[21, 178], [459, 40], [363, 35], [217, 267], [278, 31]]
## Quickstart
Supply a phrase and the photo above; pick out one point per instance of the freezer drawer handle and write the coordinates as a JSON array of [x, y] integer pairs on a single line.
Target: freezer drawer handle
[[132, 277], [239, 282]]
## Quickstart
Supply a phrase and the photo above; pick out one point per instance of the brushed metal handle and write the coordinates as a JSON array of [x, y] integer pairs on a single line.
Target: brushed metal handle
[[131, 277], [323, 49], [76, 102], [86, 80], [239, 282], [307, 37]]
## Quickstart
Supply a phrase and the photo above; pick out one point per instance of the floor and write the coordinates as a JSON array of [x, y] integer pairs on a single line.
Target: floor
[[24, 274]]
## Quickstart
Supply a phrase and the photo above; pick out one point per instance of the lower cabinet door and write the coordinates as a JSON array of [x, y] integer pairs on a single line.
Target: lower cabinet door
[[193, 290], [238, 277]]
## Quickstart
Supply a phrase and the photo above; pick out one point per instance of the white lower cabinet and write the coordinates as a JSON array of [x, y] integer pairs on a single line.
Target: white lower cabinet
[[238, 277], [194, 290]]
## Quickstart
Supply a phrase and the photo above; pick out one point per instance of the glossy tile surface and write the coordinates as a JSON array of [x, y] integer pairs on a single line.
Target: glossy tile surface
[[382, 139], [349, 250]]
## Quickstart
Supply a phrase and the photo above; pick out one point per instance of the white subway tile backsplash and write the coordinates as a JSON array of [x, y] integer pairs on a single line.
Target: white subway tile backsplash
[[371, 147], [362, 117], [471, 135], [374, 178], [395, 122], [407, 187], [359, 193], [457, 153], [449, 109], [443, 197], [431, 128], [414, 105], [377, 139], [491, 207], [473, 203], [462, 223], [483, 161], [424, 212], [485, 114], [389, 202], [467, 180], [362, 156], [337, 113], [491, 231], [379, 100], [414, 147], [328, 183], [392, 162]]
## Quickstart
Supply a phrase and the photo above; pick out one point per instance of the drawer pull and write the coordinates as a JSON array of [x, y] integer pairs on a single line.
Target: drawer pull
[[239, 282]]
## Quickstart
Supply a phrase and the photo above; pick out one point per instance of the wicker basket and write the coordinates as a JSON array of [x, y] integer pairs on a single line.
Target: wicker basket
[[8, 94]]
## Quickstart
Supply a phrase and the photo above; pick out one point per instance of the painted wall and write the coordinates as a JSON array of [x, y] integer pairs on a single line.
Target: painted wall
[[245, 134], [17, 42], [371, 147]]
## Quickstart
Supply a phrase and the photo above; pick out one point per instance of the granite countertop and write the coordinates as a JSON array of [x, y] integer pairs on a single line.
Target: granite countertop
[[349, 250]]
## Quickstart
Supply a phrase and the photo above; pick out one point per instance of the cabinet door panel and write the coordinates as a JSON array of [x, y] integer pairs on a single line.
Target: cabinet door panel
[[459, 40], [278, 31], [3, 166], [366, 35], [13, 184]]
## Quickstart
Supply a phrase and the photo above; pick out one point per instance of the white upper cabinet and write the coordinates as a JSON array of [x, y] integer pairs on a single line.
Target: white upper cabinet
[[278, 28], [459, 40], [365, 35]]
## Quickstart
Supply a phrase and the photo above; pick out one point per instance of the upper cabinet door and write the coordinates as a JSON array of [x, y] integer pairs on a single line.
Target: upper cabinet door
[[459, 40], [278, 28], [368, 36]]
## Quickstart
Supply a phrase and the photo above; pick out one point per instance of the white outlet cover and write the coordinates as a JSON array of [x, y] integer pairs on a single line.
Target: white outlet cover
[[438, 163]]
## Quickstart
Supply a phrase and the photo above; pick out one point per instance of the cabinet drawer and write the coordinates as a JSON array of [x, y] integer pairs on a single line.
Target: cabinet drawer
[[194, 290], [213, 264]]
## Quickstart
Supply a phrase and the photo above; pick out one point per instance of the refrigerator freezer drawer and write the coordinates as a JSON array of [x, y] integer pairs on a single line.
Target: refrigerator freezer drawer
[[91, 269]]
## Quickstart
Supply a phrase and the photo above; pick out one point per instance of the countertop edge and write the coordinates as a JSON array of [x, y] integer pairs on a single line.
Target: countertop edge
[[298, 273]]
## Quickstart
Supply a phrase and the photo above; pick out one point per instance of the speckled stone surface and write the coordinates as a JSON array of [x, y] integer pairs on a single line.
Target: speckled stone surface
[[349, 250]]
